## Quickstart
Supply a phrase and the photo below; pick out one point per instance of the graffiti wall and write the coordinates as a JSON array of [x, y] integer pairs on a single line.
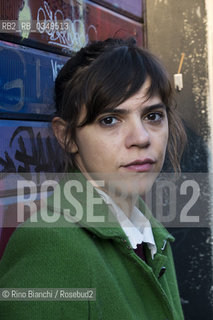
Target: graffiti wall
[[66, 26], [27, 28], [27, 79], [36, 39]]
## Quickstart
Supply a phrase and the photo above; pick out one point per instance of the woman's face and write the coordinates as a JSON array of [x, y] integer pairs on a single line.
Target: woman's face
[[126, 146]]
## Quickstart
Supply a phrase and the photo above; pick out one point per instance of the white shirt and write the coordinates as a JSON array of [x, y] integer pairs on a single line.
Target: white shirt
[[137, 228]]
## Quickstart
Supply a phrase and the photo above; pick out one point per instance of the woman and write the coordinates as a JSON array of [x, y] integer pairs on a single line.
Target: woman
[[115, 120]]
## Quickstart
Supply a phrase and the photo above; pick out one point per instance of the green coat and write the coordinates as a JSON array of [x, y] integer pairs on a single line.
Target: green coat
[[68, 256]]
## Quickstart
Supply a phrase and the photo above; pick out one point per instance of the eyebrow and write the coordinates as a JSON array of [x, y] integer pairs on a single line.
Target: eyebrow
[[126, 111]]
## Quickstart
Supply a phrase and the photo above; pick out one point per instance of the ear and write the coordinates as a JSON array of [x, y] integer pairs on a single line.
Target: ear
[[59, 127]]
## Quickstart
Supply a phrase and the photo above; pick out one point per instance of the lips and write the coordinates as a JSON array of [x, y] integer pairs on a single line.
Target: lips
[[143, 165]]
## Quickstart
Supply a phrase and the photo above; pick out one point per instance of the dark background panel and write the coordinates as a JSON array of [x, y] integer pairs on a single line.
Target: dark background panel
[[173, 28], [193, 261], [107, 23], [28, 146], [27, 80], [132, 8]]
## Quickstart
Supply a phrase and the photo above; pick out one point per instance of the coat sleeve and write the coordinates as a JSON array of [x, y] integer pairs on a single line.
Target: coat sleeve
[[44, 258]]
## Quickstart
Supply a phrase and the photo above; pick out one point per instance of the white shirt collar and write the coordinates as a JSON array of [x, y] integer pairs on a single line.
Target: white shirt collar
[[137, 228]]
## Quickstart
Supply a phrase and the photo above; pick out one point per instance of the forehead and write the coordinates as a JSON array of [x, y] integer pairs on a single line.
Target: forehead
[[141, 98]]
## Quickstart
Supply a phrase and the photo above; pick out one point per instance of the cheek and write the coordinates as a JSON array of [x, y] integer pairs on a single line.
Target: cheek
[[87, 149], [92, 149], [165, 136], [161, 143], [165, 141]]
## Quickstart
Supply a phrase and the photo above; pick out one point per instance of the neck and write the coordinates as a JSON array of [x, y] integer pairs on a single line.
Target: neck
[[124, 200], [126, 204]]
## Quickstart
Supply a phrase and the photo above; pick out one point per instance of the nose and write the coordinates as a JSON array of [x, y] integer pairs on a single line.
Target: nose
[[137, 135]]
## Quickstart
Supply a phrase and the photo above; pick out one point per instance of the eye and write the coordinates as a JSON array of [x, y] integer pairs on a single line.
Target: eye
[[155, 117], [109, 121]]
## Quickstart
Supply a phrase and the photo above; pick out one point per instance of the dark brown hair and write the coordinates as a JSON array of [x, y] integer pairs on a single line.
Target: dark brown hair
[[104, 74]]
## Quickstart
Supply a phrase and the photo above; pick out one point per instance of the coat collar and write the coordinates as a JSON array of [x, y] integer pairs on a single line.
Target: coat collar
[[97, 218]]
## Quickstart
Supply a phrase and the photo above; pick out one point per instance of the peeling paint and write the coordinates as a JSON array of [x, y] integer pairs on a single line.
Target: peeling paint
[[165, 2], [25, 16], [196, 63], [198, 12]]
